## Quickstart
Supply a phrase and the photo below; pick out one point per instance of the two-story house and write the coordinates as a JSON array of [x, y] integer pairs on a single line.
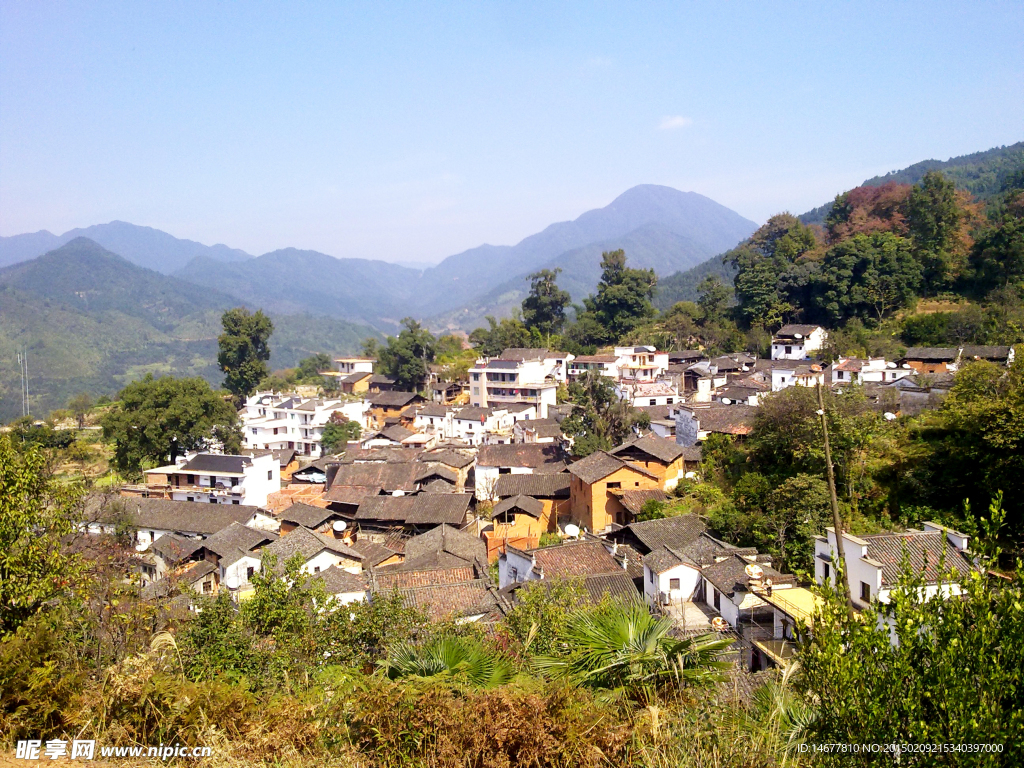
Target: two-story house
[[217, 479], [798, 342]]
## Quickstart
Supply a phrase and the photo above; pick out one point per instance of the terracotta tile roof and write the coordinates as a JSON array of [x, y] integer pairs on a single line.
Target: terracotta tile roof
[[575, 559], [388, 577], [921, 547], [555, 486], [725, 419], [541, 457], [599, 465], [468, 598]]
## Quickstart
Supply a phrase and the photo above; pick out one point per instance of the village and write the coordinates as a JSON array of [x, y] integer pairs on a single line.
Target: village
[[458, 500]]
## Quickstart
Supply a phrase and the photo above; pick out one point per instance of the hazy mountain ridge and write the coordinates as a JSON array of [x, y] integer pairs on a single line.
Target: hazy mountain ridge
[[92, 321], [143, 246]]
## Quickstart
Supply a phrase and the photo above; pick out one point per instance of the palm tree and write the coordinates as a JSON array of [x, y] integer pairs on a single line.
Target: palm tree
[[624, 649], [458, 658]]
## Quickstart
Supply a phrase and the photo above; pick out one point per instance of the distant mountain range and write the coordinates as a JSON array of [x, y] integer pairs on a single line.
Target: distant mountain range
[[659, 227], [92, 321], [144, 246]]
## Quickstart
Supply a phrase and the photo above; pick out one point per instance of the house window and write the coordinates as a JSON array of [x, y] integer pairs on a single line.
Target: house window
[[615, 485], [235, 501], [669, 401], [865, 592], [207, 587], [316, 569], [249, 573], [673, 583], [213, 500], [270, 474], [513, 574], [190, 498], [825, 571], [653, 401], [651, 576], [789, 350], [716, 599], [504, 470]]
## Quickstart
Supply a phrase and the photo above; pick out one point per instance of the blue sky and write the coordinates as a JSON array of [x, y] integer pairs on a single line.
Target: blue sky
[[409, 132]]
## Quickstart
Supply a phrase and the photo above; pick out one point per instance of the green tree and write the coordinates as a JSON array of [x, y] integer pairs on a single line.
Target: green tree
[[244, 351], [338, 431], [599, 419], [157, 417], [623, 299], [796, 512], [80, 405], [544, 308], [509, 332], [310, 367], [714, 299], [625, 649], [997, 257], [541, 611], [956, 665], [934, 218], [36, 514], [407, 356], [867, 276]]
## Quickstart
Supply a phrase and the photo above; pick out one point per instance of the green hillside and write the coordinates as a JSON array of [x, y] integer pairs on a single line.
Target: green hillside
[[92, 321]]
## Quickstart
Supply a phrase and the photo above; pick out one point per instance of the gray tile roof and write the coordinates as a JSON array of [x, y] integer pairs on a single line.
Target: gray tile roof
[[933, 354], [677, 532], [308, 544], [665, 558], [985, 353], [174, 548], [424, 509], [216, 464], [306, 515], [166, 515], [729, 575], [599, 465], [553, 486], [467, 598], [449, 457], [634, 500], [790, 331], [393, 399], [446, 539], [228, 542], [575, 559], [921, 547], [373, 553], [474, 413], [338, 581], [660, 448], [525, 504], [390, 477], [541, 457], [529, 353], [617, 586]]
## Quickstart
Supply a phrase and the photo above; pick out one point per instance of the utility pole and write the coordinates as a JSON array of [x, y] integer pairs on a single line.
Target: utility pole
[[836, 522]]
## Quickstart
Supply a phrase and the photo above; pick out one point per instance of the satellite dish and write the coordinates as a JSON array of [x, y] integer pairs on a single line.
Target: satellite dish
[[906, 365], [719, 624], [890, 365], [889, 416], [798, 335], [340, 525], [690, 475], [726, 401], [754, 571], [572, 530]]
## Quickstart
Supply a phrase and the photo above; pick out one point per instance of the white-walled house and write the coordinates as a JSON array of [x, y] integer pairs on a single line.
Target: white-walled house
[[730, 589], [670, 577], [217, 479], [798, 342], [875, 369], [492, 461], [472, 424], [606, 365], [318, 552], [796, 375], [276, 422], [873, 562], [647, 393]]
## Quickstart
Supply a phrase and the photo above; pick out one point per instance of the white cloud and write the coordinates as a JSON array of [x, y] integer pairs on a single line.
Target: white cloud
[[672, 122]]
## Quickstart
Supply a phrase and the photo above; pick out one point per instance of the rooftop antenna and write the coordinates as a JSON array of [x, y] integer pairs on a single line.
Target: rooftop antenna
[[26, 409]]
